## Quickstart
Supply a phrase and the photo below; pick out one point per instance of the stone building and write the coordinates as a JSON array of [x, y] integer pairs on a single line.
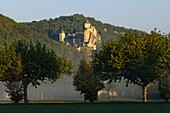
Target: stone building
[[62, 36], [88, 38]]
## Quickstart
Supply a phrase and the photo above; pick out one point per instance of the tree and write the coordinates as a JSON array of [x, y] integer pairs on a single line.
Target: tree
[[11, 68], [164, 86], [137, 58], [87, 82], [14, 90], [39, 64]]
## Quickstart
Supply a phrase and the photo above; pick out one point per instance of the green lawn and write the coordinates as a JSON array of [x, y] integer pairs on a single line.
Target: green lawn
[[124, 107]]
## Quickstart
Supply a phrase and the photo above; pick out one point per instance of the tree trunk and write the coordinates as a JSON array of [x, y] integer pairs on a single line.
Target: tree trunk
[[25, 93], [85, 98], [145, 93], [166, 97], [145, 88]]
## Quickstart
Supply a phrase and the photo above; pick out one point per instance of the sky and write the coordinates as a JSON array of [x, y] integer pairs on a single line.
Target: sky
[[143, 15]]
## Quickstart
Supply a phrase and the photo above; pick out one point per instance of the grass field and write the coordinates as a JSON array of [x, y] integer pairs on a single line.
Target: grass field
[[117, 107]]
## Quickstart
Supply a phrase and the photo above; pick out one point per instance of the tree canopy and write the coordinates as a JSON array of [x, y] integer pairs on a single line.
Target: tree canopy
[[10, 63], [87, 82], [139, 59], [40, 63], [11, 69]]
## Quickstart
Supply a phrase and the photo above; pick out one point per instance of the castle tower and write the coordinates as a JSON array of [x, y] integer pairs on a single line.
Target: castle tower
[[86, 35], [62, 36], [87, 24]]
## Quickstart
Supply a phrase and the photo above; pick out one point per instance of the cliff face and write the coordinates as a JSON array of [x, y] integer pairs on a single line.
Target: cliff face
[[91, 36]]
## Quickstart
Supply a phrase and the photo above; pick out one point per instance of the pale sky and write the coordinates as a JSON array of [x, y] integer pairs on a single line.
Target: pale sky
[[137, 14]]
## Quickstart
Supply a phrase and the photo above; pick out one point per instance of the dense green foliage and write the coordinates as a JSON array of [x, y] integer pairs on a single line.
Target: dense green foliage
[[139, 59], [75, 23], [25, 63], [39, 64], [11, 31], [11, 69], [87, 82], [10, 63], [14, 90]]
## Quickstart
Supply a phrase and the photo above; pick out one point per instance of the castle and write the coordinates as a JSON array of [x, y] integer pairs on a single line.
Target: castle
[[88, 38]]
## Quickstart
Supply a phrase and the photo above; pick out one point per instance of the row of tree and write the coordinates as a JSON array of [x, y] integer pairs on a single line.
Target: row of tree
[[141, 59], [25, 63]]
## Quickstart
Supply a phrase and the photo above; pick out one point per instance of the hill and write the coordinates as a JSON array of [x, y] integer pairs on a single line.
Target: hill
[[46, 31], [74, 23], [11, 31]]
